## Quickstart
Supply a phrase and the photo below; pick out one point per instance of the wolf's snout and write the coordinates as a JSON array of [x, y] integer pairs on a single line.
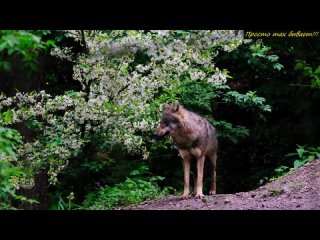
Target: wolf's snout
[[156, 133], [159, 132]]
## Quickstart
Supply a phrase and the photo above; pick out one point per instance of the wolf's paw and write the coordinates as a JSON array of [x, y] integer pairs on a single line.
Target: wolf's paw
[[185, 196], [199, 196], [212, 192]]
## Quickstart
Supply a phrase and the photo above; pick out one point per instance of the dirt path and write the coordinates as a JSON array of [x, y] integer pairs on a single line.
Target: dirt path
[[298, 190]]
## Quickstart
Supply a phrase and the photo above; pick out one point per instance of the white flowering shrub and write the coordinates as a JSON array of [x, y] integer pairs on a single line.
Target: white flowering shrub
[[125, 77]]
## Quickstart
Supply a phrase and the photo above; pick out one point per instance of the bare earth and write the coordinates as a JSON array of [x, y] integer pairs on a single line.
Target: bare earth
[[296, 191]]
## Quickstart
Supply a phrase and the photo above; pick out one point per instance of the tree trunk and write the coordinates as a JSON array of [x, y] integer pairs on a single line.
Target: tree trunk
[[38, 192]]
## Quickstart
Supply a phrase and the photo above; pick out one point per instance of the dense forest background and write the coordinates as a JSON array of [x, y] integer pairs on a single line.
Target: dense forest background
[[78, 110]]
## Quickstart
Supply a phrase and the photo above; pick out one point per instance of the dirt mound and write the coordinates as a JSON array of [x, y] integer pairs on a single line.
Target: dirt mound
[[298, 190]]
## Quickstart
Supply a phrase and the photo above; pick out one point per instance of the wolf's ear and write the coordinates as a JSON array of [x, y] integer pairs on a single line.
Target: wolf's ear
[[165, 106], [176, 106]]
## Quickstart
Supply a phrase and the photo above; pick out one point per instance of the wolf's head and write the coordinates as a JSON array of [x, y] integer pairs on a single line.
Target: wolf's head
[[169, 120]]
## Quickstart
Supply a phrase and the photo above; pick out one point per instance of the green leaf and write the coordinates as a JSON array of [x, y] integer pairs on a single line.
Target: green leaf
[[278, 66], [297, 164], [135, 172], [311, 158], [300, 152], [291, 154], [7, 116], [3, 45], [50, 43], [281, 169]]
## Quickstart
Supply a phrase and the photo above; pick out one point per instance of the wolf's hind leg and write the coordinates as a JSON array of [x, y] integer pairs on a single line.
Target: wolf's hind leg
[[213, 160]]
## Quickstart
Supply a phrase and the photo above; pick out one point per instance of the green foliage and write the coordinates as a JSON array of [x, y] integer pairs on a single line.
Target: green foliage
[[248, 100], [199, 95], [24, 44], [6, 116], [260, 55], [309, 72], [63, 204], [8, 193], [140, 186], [303, 154], [229, 132], [294, 116], [9, 139], [282, 170]]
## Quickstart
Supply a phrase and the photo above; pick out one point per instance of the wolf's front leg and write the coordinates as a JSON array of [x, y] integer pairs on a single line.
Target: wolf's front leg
[[200, 165], [186, 170], [186, 161]]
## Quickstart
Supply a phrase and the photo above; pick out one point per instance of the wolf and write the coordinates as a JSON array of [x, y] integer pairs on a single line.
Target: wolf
[[195, 138]]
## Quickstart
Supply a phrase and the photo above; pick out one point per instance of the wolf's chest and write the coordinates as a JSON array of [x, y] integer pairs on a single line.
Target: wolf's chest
[[184, 142]]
